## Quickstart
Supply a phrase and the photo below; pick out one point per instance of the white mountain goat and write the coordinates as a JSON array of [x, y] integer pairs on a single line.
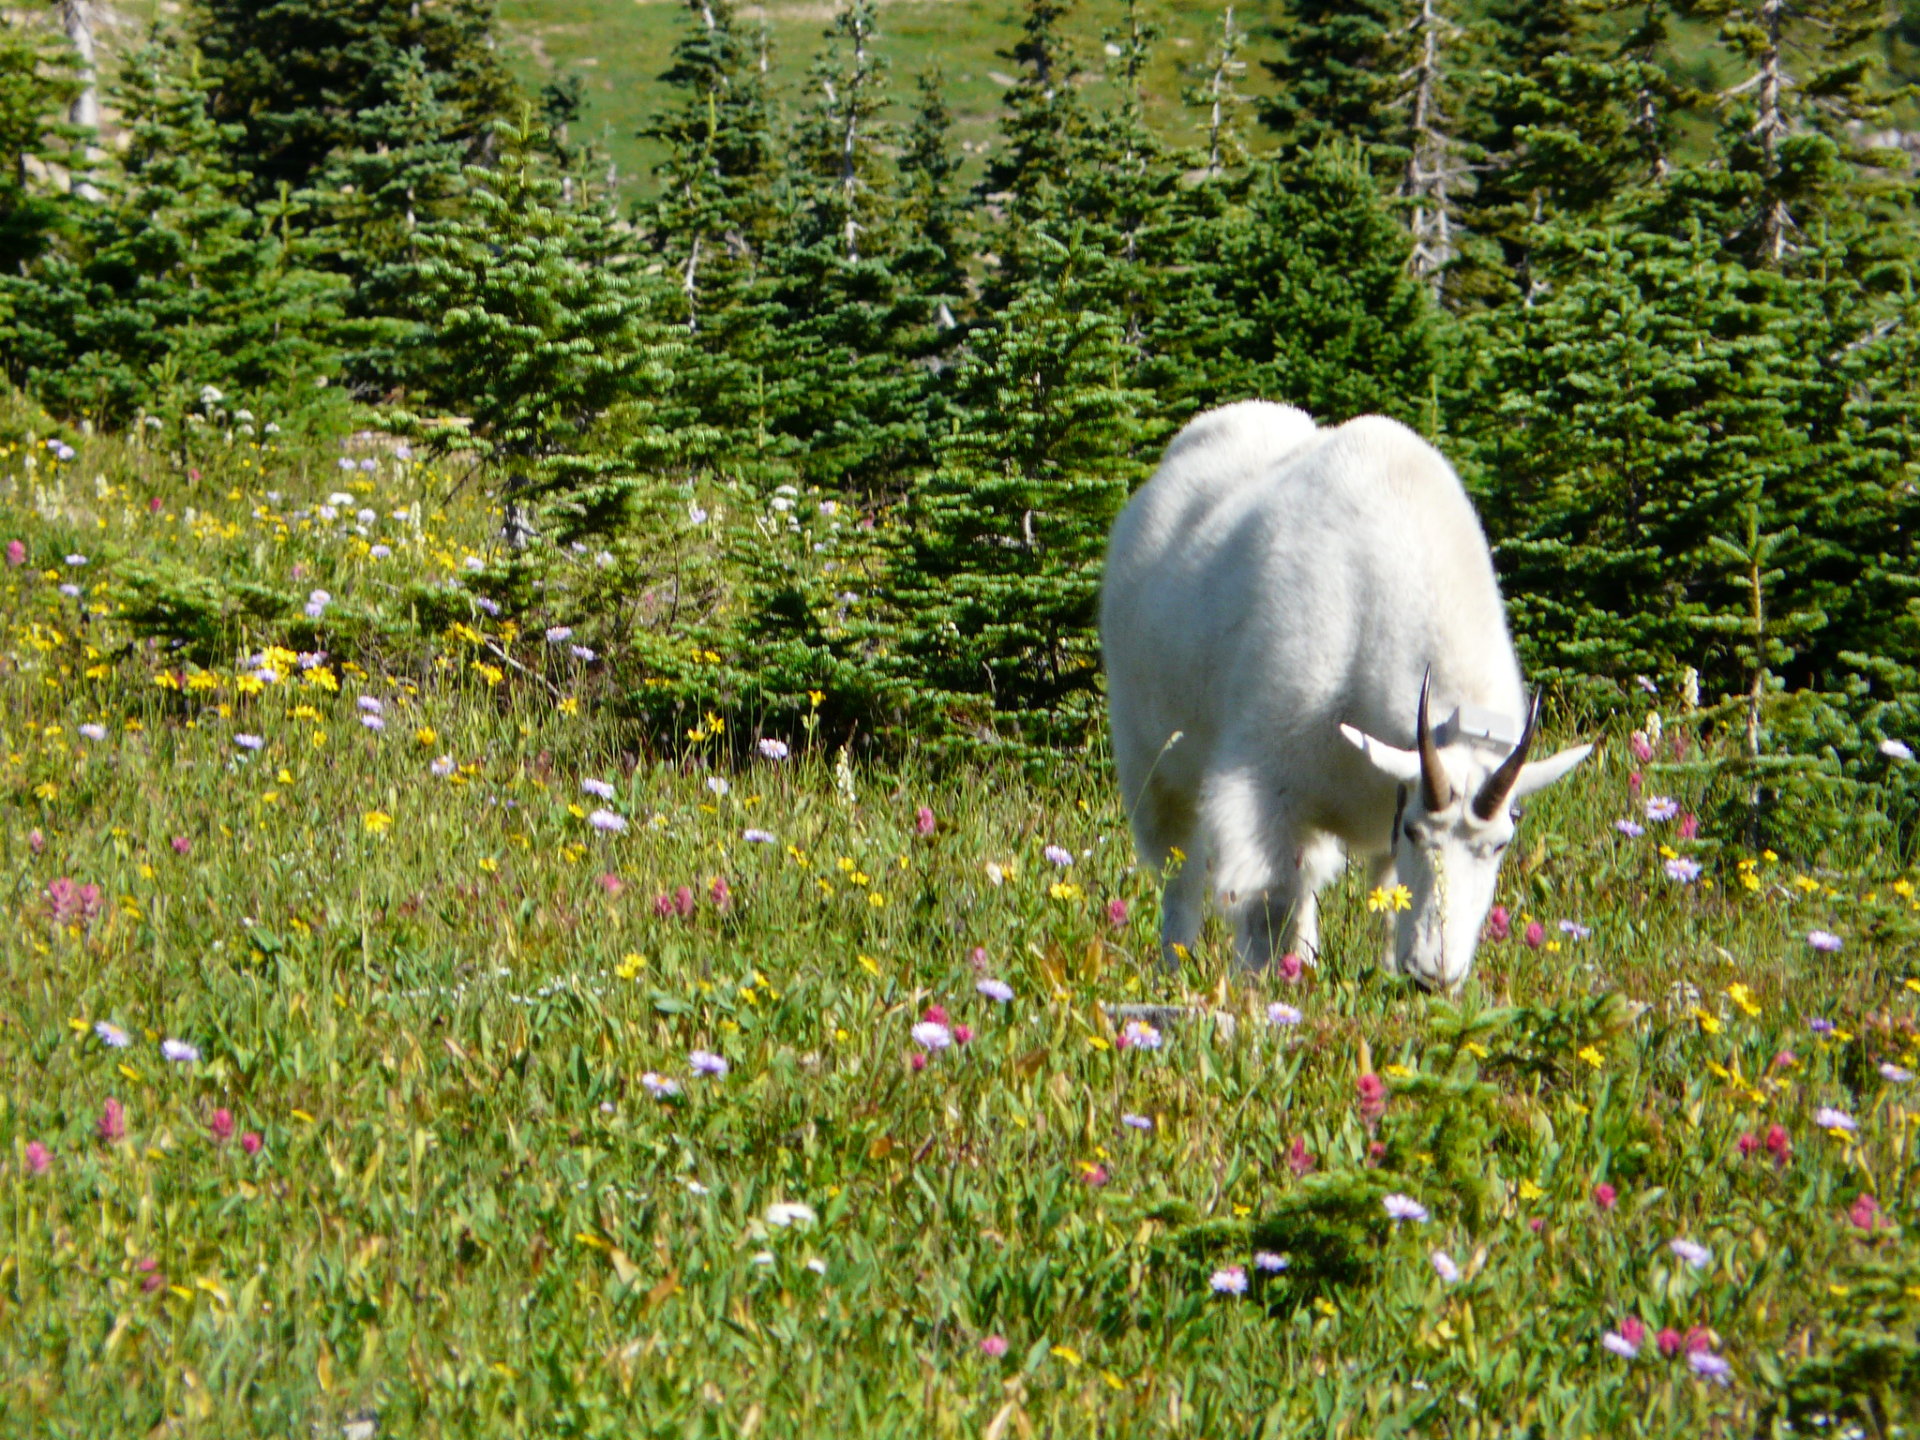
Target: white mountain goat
[[1279, 602]]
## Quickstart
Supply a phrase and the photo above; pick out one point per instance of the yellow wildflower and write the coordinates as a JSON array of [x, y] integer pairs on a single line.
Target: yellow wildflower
[[378, 822]]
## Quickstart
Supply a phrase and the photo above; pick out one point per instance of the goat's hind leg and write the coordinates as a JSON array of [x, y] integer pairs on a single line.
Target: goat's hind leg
[[1167, 833]]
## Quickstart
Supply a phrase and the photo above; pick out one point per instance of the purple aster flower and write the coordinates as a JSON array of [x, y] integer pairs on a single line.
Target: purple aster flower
[[179, 1052], [932, 1035], [372, 706], [373, 723], [443, 767], [1708, 1366], [1824, 941], [1684, 870], [1828, 1118], [1404, 1207], [1695, 1254], [583, 653], [1268, 1262], [1279, 1014], [1575, 930], [559, 634], [1230, 1281], [1445, 1268], [94, 732], [487, 607], [997, 990], [1058, 855], [705, 1062], [1136, 1122], [608, 822], [248, 742], [1138, 1035], [1632, 829], [759, 837], [1895, 1073], [773, 749], [1820, 1025], [1618, 1344], [597, 787], [1661, 807], [111, 1035], [659, 1086]]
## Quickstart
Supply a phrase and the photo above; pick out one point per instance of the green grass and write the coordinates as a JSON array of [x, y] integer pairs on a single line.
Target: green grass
[[467, 1215]]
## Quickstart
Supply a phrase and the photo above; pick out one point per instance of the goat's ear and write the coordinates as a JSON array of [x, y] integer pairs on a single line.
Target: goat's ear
[[1389, 760], [1538, 774]]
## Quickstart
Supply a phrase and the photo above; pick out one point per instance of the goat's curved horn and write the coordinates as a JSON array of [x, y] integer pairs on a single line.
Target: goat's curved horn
[[1493, 794], [1436, 790]]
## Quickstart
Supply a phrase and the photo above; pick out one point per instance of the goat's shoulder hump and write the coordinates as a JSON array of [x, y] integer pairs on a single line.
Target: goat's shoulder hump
[[1390, 453]]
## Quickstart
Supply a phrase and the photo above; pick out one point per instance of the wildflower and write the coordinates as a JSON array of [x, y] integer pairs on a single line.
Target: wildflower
[[705, 1062], [1747, 1144], [1617, 1343], [718, 785], [608, 822], [1896, 749], [16, 553], [996, 990], [1230, 1281], [1299, 1159], [1661, 807], [1689, 826], [371, 705], [994, 1346], [181, 844], [443, 767], [94, 732], [1820, 1025], [1269, 1263], [758, 837], [1279, 1014], [1573, 929], [76, 560], [1865, 1213], [377, 822], [917, 1060], [112, 1124], [773, 749], [473, 562], [1536, 935], [1605, 1196], [659, 1086], [962, 1034], [1897, 1074], [923, 821], [932, 1035], [380, 552], [935, 1013], [1669, 1342], [39, 1158], [611, 883], [490, 608], [1778, 1144], [1136, 1122], [683, 902], [1445, 1268], [1404, 1207], [1695, 1254], [1290, 967], [111, 1035], [1387, 900], [1499, 923], [597, 787], [221, 1126], [720, 893], [1630, 829], [1825, 941], [1373, 1096], [179, 1052], [1093, 1175], [785, 1213], [250, 1142], [1683, 870], [373, 723], [248, 742], [1058, 855], [1708, 1366], [1828, 1118], [558, 634], [1138, 1035]]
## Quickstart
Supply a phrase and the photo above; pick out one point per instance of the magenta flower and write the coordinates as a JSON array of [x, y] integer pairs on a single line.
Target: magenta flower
[[611, 883], [1779, 1144], [1865, 1213], [1689, 826], [683, 902], [1299, 1159], [16, 553], [1669, 1341], [1373, 1096], [994, 1346], [1117, 913], [181, 844], [1290, 967], [1536, 935], [112, 1124], [221, 1126], [39, 1158], [1499, 923], [250, 1142], [1605, 1196], [1641, 746], [923, 821], [720, 893]]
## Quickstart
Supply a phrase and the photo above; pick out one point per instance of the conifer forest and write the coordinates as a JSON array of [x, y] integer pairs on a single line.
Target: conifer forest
[[560, 871]]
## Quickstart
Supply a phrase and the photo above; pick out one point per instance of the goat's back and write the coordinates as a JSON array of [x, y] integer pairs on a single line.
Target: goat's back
[[1280, 578]]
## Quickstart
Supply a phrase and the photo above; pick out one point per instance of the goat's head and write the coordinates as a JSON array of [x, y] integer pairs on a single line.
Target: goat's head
[[1451, 829]]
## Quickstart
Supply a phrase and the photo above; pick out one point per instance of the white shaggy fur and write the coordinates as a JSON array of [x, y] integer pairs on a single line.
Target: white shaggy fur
[[1273, 583]]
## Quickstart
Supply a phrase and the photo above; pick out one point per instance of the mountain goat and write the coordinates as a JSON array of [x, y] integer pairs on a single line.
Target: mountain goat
[[1281, 603]]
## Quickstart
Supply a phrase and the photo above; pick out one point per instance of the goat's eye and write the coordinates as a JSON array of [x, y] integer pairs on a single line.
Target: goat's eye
[[1412, 834]]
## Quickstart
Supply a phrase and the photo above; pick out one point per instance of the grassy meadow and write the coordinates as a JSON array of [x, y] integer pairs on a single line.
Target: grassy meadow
[[396, 1039]]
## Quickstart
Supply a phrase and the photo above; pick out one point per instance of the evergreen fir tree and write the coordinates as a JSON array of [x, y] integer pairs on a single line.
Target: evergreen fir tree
[[37, 81], [170, 284], [1216, 96], [403, 169], [1299, 291], [1337, 76], [932, 221], [541, 329], [297, 76], [996, 582]]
